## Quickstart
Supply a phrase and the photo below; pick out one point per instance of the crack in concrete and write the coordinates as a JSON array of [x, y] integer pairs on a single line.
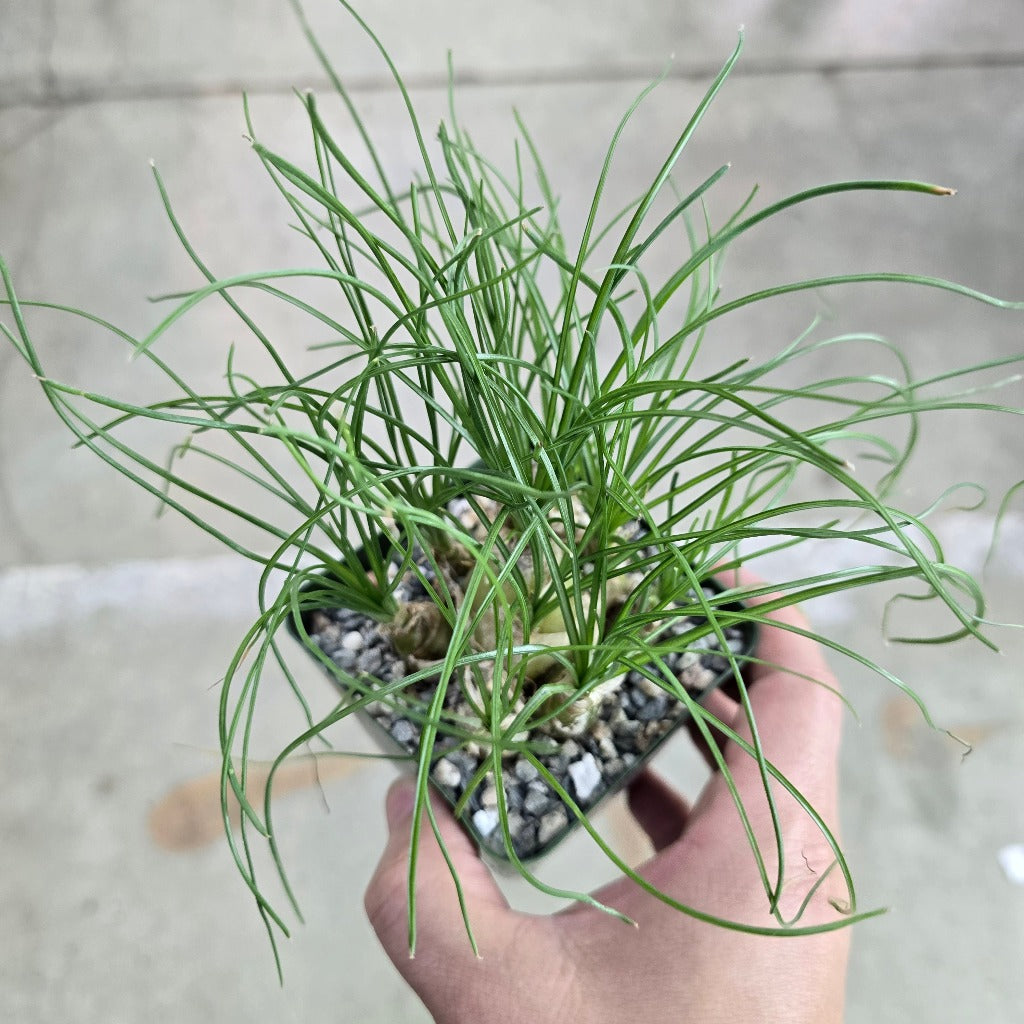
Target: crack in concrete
[[48, 72], [57, 95]]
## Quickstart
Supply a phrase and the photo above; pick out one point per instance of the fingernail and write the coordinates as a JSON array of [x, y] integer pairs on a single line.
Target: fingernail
[[399, 804]]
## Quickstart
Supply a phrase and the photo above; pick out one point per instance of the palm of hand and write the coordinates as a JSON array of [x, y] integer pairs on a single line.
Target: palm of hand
[[582, 965]]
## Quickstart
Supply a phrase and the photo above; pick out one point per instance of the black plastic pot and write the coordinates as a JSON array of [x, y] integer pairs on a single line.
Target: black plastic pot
[[541, 816]]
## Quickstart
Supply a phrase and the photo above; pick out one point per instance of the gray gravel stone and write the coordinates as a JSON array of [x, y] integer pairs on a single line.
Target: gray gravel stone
[[626, 727], [697, 677], [526, 771], [369, 661], [446, 774], [536, 803], [514, 797], [551, 824], [654, 709], [648, 687], [344, 659], [516, 826], [628, 743], [526, 841], [464, 761], [616, 716], [405, 732], [604, 741]]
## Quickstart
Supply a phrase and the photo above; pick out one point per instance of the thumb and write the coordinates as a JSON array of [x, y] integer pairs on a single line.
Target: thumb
[[440, 930]]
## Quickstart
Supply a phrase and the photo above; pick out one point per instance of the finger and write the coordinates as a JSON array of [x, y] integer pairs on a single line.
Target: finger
[[440, 929], [722, 707], [659, 810], [793, 679], [780, 644], [797, 713]]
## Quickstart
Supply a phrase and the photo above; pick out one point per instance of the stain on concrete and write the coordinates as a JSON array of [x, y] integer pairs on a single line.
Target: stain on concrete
[[189, 816], [906, 735]]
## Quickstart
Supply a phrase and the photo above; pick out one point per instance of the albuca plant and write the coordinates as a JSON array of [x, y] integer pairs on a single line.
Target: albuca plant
[[505, 509]]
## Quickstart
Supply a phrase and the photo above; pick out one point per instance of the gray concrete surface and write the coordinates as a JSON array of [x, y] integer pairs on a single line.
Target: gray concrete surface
[[118, 901]]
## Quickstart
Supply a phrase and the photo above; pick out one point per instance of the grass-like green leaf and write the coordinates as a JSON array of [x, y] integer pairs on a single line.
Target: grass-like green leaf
[[550, 380]]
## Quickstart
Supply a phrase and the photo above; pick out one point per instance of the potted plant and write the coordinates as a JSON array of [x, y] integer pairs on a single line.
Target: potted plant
[[505, 508]]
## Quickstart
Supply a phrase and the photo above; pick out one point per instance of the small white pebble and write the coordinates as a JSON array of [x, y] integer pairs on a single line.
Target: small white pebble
[[353, 641], [485, 821], [586, 776], [446, 774]]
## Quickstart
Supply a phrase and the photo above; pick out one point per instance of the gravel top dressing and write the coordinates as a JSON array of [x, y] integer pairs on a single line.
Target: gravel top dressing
[[588, 757]]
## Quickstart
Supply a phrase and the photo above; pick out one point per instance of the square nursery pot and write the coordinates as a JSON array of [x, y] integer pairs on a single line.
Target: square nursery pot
[[632, 723]]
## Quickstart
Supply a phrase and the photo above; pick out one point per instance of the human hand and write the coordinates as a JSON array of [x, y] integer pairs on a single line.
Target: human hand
[[583, 965]]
